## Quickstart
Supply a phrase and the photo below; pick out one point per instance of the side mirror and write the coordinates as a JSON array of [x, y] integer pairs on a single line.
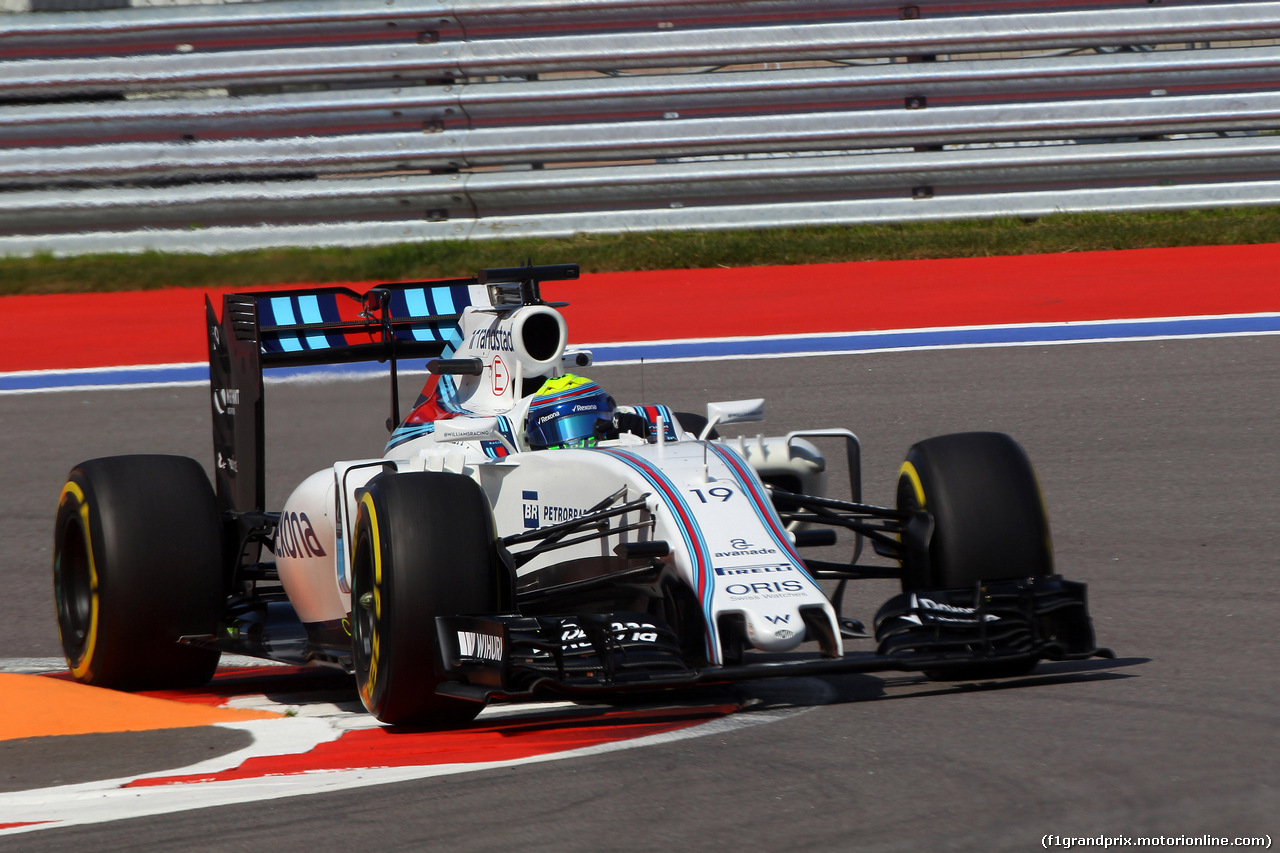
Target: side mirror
[[732, 412], [471, 429]]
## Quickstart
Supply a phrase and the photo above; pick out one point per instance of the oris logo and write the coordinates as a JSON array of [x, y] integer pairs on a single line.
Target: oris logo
[[764, 588]]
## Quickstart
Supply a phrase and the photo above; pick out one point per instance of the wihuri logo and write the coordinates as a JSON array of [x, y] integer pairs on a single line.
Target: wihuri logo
[[483, 646]]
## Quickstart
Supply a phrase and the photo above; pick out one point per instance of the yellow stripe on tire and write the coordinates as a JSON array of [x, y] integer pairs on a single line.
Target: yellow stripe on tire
[[367, 689], [82, 667], [909, 471]]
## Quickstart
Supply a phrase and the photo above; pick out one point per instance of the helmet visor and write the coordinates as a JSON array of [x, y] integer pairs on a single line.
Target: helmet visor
[[571, 431]]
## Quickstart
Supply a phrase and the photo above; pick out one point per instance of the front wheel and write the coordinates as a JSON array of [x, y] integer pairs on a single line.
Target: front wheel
[[988, 515], [424, 547], [989, 522], [137, 564]]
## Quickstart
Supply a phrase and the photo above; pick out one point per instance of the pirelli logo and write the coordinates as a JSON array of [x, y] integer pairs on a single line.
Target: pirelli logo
[[472, 644]]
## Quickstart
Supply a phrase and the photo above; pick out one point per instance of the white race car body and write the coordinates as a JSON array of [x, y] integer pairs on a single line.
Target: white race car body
[[464, 564], [727, 542], [472, 562], [703, 497]]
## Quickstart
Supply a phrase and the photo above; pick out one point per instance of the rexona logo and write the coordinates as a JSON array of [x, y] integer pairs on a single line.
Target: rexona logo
[[295, 537], [481, 646]]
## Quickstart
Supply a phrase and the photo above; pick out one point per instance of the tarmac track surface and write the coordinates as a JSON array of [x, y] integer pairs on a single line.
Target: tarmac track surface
[[1158, 461]]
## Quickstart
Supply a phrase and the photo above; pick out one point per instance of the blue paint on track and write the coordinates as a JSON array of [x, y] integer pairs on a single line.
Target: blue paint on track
[[1022, 335], [720, 348]]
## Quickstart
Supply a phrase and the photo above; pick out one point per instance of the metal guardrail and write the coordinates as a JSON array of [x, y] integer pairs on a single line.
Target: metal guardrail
[[461, 105], [325, 22], [285, 166], [641, 140], [720, 217], [462, 196], [642, 50]]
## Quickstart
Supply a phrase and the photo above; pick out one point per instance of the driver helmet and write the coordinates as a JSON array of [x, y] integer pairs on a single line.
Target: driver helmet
[[564, 413]]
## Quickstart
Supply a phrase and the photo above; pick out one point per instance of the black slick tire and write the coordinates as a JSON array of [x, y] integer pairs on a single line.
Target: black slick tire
[[989, 517], [137, 564], [989, 522], [423, 547]]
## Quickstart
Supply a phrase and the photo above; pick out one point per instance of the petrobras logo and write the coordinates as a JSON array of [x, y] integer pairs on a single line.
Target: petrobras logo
[[940, 611], [472, 644], [530, 504], [634, 632], [573, 638], [535, 513], [561, 514]]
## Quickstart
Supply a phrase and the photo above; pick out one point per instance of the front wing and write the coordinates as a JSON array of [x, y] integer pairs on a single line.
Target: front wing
[[518, 657]]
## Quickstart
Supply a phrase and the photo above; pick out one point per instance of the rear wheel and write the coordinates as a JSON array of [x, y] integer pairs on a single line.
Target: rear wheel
[[137, 564], [989, 521], [423, 547]]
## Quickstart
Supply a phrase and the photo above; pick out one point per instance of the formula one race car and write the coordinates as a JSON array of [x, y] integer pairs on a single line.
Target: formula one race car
[[524, 535]]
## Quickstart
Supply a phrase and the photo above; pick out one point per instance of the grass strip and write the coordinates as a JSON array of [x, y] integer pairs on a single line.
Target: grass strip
[[645, 251]]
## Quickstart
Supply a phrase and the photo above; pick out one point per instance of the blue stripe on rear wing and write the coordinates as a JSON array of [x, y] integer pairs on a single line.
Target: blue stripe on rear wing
[[332, 325], [335, 325]]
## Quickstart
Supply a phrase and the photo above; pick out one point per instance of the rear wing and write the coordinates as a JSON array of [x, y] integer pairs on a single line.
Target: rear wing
[[334, 325]]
